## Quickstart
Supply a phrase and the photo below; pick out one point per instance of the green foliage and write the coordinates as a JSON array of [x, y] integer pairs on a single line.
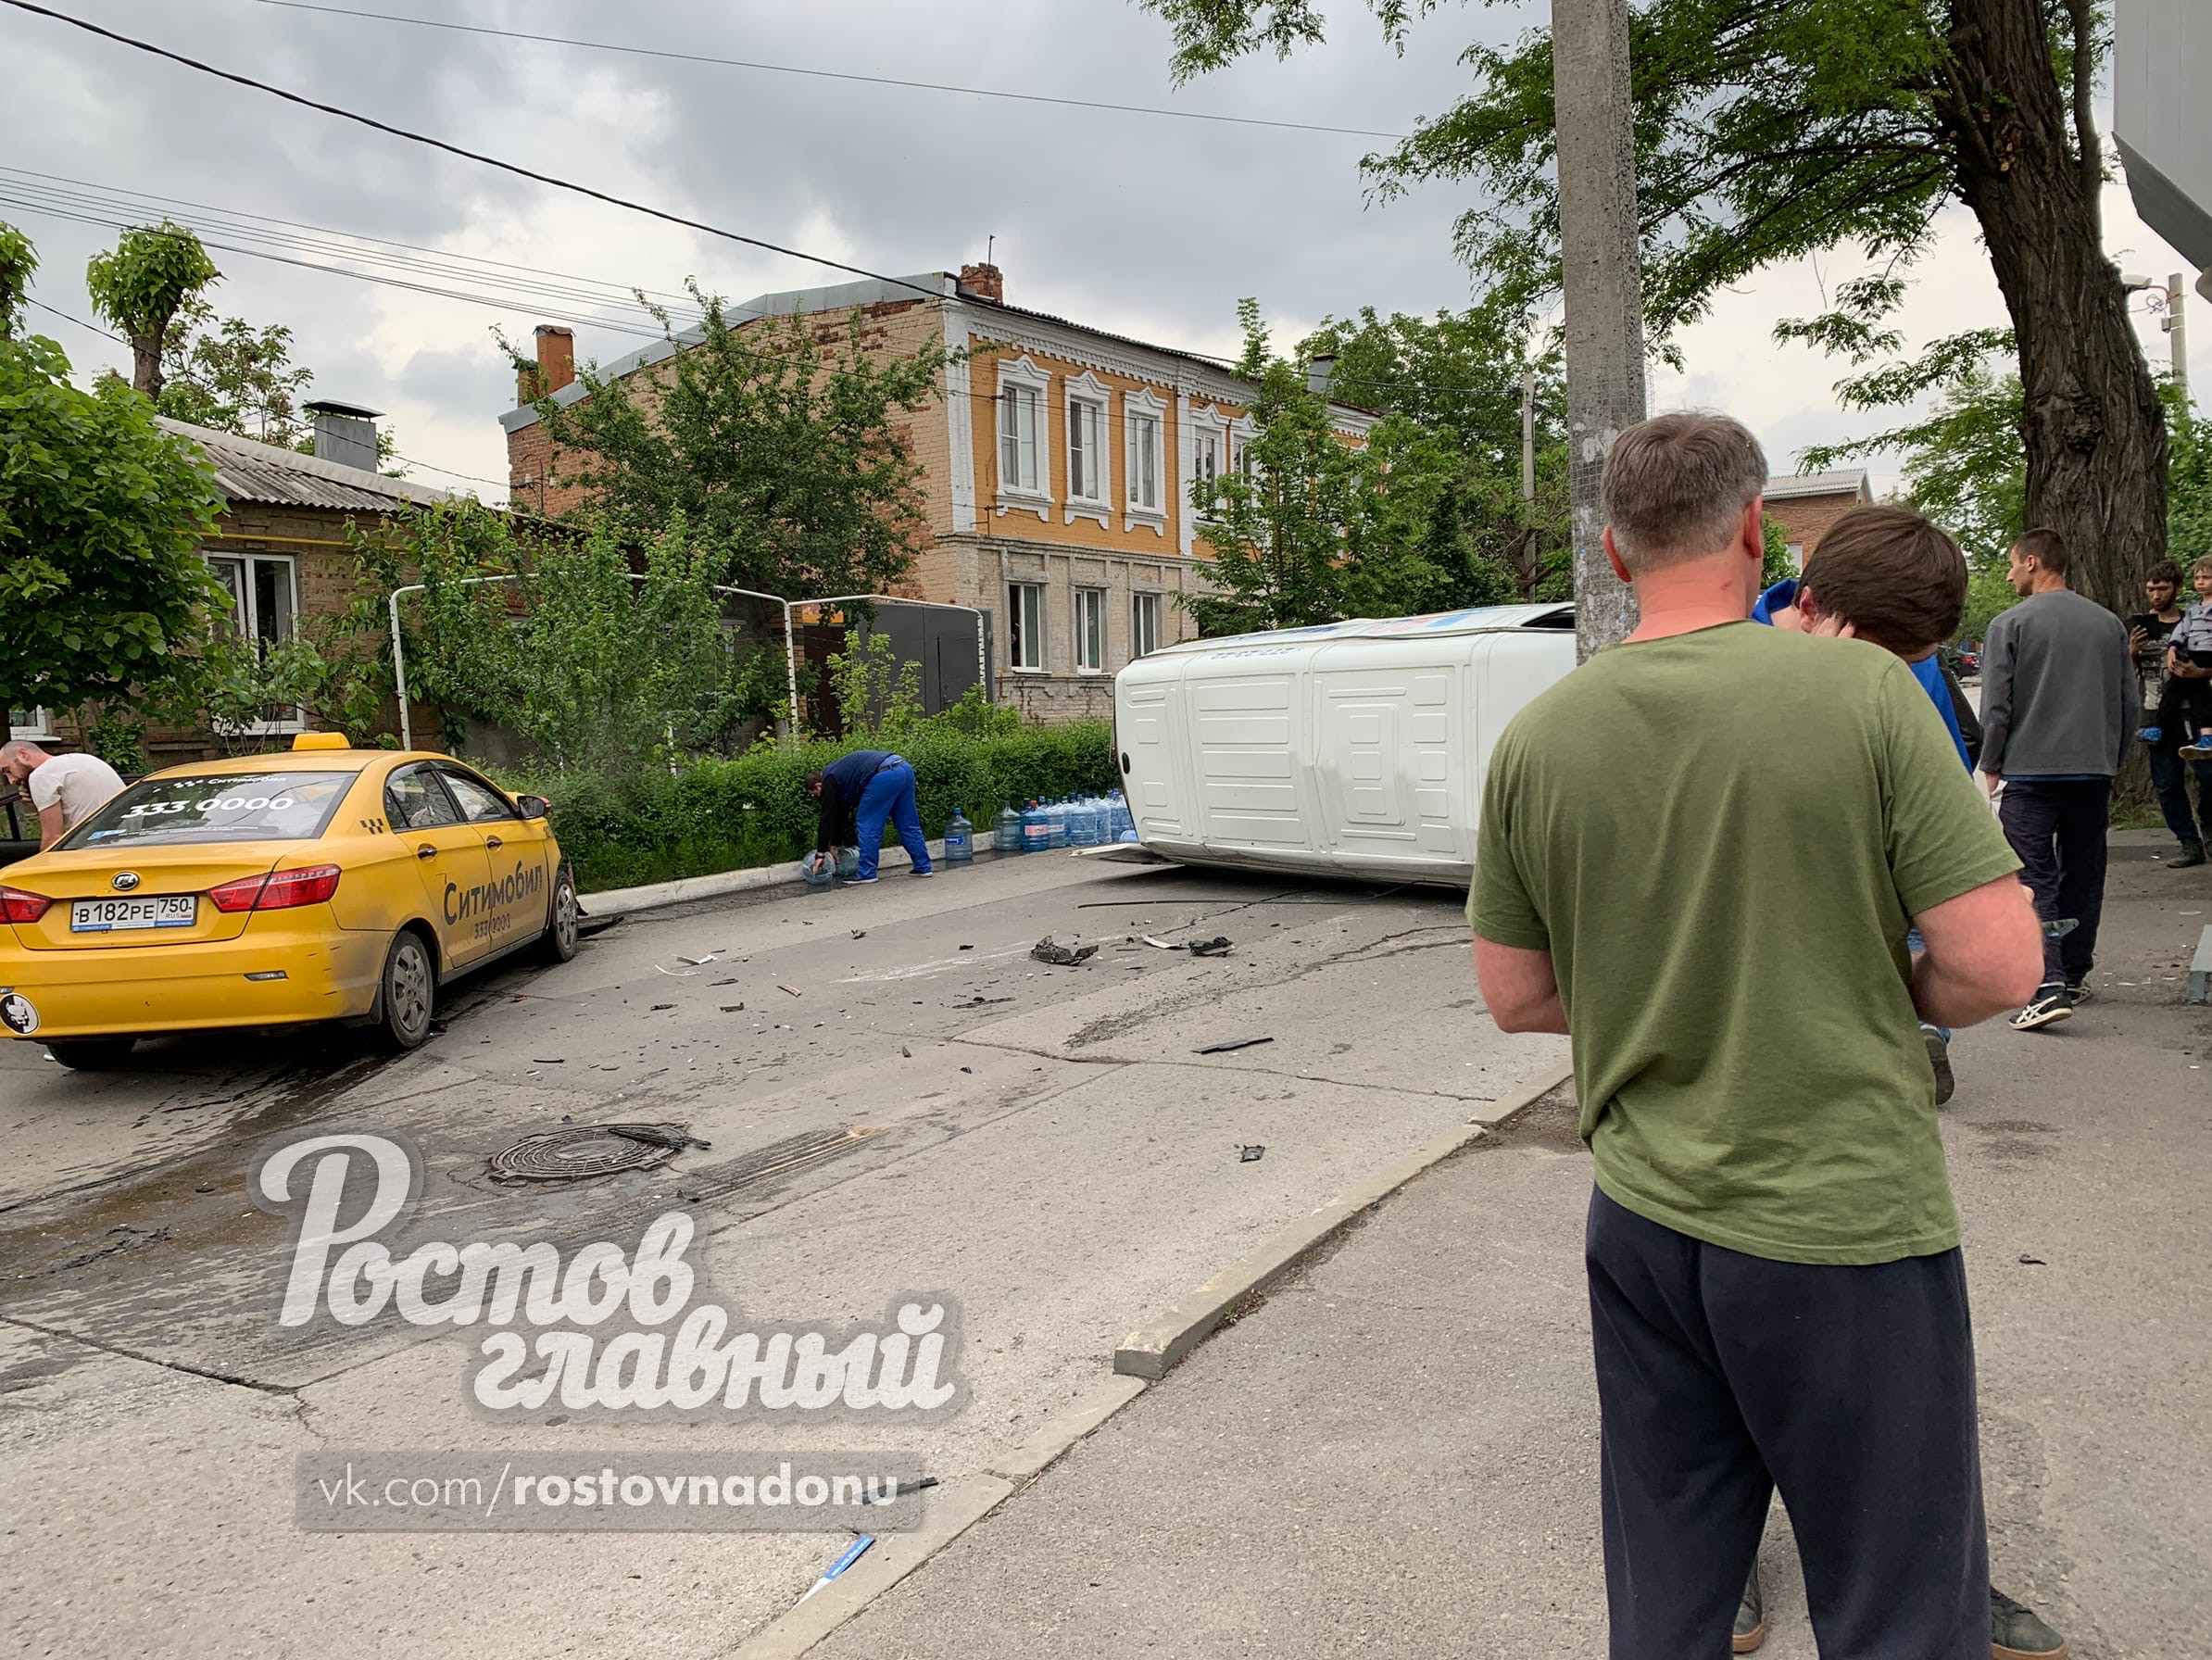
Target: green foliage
[[153, 273], [1459, 375], [233, 377], [1987, 593], [2189, 486], [1779, 565], [877, 695], [1307, 528], [783, 449], [719, 815], [18, 261], [101, 514]]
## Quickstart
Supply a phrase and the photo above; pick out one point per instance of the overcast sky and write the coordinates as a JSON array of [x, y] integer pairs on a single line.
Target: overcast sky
[[1145, 225]]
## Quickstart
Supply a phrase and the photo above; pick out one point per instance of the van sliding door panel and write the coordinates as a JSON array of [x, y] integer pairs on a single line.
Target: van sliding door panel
[[1384, 761]]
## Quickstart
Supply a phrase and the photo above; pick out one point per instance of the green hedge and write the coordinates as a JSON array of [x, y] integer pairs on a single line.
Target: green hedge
[[727, 816]]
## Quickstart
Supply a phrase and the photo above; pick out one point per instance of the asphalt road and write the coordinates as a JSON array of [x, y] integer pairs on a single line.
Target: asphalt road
[[897, 1098]]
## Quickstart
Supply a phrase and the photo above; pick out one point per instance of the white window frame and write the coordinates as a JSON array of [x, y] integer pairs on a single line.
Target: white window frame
[[1138, 408], [1146, 609], [1205, 428], [1093, 602], [41, 727], [1243, 432], [1025, 628], [249, 622], [1088, 394], [1019, 375]]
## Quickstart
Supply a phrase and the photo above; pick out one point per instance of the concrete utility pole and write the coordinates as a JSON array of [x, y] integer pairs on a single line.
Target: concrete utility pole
[[2176, 333], [1604, 285]]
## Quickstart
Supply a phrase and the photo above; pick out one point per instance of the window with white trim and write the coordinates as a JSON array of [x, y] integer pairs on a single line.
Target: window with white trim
[[1144, 624], [1208, 442], [1017, 438], [1091, 478], [1144, 446], [30, 723], [1090, 630], [264, 591], [1025, 624]]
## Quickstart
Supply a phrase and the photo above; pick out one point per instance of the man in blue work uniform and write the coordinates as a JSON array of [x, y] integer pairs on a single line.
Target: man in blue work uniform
[[861, 790]]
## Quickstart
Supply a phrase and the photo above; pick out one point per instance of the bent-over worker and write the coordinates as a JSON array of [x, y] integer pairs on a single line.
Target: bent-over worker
[[858, 792]]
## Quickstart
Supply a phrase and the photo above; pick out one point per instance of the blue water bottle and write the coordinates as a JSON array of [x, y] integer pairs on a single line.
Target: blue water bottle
[[959, 839]]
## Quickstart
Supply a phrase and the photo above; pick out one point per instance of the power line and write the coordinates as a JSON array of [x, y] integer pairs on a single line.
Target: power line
[[780, 69], [472, 477], [452, 149], [77, 320]]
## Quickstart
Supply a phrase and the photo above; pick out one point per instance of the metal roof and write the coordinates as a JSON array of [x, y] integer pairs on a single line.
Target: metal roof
[[247, 470], [1850, 482]]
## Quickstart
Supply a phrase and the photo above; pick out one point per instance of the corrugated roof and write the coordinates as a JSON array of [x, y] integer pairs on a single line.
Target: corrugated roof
[[1850, 482], [247, 470]]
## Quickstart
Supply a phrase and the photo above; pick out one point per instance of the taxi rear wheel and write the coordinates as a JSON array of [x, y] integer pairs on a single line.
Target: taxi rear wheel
[[560, 923], [409, 993], [90, 1054]]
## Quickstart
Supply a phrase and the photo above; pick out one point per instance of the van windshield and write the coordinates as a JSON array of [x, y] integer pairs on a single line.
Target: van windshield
[[240, 807]]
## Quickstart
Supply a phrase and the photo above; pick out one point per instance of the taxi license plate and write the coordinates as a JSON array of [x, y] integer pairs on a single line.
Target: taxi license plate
[[112, 916]]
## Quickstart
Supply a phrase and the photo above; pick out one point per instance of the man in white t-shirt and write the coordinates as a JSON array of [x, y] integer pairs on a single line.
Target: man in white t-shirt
[[65, 789]]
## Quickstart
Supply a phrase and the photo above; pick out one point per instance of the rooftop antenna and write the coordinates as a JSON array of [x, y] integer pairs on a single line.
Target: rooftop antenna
[[990, 245]]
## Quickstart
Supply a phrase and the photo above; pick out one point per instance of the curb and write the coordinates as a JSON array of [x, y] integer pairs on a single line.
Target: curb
[[950, 1510], [625, 901], [1152, 1350]]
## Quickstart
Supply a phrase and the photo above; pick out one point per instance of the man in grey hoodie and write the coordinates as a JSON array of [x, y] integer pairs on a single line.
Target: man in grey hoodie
[[2059, 705]]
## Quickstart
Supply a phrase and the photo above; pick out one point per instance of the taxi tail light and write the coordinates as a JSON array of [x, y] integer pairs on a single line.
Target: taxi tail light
[[280, 890], [16, 906]]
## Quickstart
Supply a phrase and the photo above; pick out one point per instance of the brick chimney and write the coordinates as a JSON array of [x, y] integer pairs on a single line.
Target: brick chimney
[[985, 281], [556, 358]]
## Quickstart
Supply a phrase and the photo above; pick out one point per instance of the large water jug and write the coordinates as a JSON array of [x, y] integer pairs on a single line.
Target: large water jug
[[819, 869], [1037, 830], [1006, 835], [848, 863], [1083, 822], [1118, 823], [1056, 821], [959, 839]]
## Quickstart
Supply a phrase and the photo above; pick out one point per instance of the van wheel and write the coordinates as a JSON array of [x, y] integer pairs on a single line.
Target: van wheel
[[409, 994], [560, 943], [90, 1054]]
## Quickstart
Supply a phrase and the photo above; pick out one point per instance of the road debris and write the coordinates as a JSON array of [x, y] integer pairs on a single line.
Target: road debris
[[1251, 1155], [853, 1552], [859, 933], [980, 1002], [557, 1061], [903, 1490], [1061, 956], [905, 1053], [732, 1008], [658, 1135], [967, 947], [697, 961], [731, 981], [676, 974], [1233, 1043], [657, 1007], [1216, 947], [2035, 1262], [792, 989]]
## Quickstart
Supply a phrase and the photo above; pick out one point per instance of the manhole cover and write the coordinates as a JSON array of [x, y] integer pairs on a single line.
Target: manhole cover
[[587, 1149]]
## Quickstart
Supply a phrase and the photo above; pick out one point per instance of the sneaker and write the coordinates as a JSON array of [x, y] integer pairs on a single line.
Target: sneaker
[[1939, 1059], [2152, 735], [859, 881], [1751, 1617], [2192, 853], [2078, 993], [2015, 1632], [914, 873], [2199, 748], [2050, 1007]]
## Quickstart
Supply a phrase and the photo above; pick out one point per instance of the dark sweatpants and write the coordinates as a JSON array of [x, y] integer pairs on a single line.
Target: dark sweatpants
[[1722, 1376], [2057, 825]]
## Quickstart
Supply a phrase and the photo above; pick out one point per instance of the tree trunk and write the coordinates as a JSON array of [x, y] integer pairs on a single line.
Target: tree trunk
[[2091, 423], [145, 363], [1602, 277]]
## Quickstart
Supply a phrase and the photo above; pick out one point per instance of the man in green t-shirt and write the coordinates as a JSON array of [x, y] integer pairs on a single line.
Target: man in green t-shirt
[[1700, 855]]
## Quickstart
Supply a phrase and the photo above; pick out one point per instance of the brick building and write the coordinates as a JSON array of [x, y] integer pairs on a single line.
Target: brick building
[[281, 549], [1056, 468], [1808, 503]]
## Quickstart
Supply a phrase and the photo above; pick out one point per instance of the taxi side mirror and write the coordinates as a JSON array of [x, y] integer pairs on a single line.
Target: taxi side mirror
[[533, 807]]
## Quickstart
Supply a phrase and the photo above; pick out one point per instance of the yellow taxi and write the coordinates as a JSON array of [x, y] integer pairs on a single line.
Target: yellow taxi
[[324, 883]]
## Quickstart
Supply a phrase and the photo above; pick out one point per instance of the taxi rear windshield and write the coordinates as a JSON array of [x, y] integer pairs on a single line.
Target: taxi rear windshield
[[247, 807]]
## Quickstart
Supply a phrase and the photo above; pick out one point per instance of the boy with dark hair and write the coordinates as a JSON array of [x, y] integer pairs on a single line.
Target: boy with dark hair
[[2149, 631]]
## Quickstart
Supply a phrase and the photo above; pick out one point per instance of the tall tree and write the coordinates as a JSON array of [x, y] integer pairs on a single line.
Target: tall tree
[[17, 260], [153, 273], [782, 445], [1770, 130], [101, 515], [227, 374]]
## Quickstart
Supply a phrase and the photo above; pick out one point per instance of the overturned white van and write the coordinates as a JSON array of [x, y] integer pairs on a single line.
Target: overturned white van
[[1355, 749]]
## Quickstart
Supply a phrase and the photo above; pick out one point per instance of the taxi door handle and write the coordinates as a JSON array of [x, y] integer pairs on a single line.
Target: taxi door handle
[[426, 852], [493, 842]]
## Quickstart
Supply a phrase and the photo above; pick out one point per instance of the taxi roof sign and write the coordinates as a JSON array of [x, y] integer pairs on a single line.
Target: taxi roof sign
[[323, 740]]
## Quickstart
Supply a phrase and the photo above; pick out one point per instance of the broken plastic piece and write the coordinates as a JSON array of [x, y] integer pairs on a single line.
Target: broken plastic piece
[[1209, 948], [657, 1135], [1251, 1155], [1061, 956], [792, 989], [696, 962], [657, 1007], [1233, 1043]]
